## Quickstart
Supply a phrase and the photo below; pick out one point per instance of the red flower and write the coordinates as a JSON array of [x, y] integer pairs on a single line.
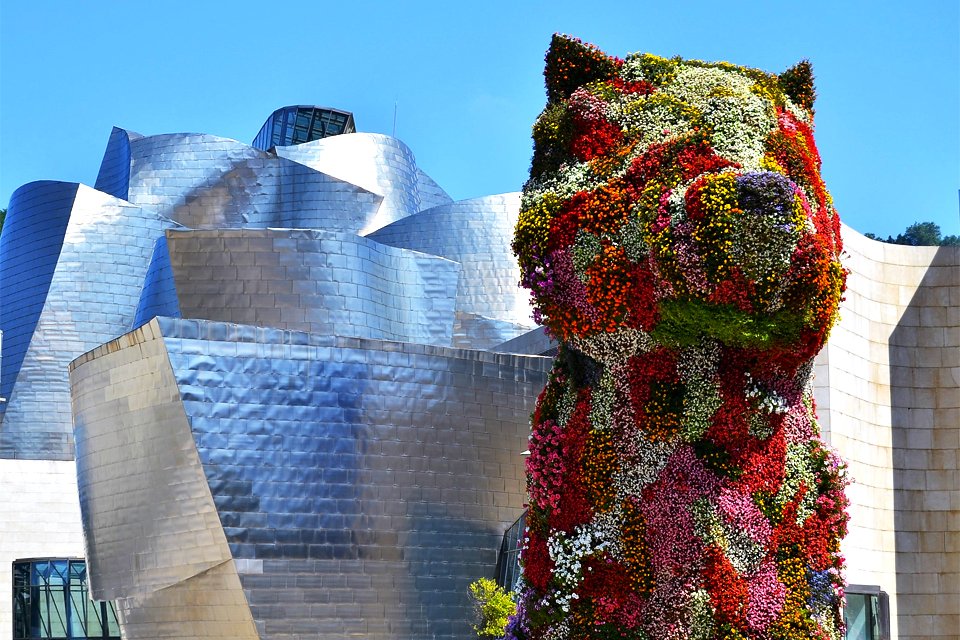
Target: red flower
[[537, 565], [729, 595]]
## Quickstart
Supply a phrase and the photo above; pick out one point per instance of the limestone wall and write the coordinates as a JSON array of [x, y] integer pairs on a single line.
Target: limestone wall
[[888, 395], [39, 518]]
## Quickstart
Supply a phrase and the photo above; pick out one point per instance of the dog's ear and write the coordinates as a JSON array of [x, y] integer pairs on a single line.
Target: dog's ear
[[797, 83], [572, 63]]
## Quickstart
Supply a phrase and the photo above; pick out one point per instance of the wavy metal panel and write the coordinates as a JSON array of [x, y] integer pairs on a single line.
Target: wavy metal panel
[[320, 281], [204, 181], [376, 162], [361, 484], [154, 542], [29, 247], [477, 234], [92, 297], [114, 175]]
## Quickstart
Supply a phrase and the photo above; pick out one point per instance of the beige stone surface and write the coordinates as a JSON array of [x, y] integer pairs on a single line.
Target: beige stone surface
[[39, 518], [888, 391]]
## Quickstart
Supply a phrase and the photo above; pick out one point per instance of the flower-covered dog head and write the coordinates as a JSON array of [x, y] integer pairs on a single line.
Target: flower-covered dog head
[[672, 201]]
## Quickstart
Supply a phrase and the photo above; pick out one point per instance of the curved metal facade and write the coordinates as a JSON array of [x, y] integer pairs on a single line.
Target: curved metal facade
[[114, 175], [82, 289], [378, 163], [36, 220], [491, 307], [310, 280], [360, 484], [206, 182], [325, 466]]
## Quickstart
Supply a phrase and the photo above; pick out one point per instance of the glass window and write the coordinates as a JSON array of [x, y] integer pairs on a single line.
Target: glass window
[[508, 563], [866, 613], [50, 600]]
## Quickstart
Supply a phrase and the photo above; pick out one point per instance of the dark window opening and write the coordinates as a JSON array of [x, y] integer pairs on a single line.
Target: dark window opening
[[50, 601], [508, 561], [867, 613]]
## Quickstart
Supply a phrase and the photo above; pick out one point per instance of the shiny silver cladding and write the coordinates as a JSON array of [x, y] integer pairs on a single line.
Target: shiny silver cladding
[[360, 484], [204, 181], [80, 289], [308, 280], [376, 162], [491, 306]]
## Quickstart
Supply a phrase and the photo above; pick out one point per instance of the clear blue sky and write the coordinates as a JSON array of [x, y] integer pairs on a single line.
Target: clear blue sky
[[466, 79]]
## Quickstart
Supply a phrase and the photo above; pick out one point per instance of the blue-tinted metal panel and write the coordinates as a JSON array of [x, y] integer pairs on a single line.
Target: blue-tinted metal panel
[[159, 294], [91, 297], [114, 175], [491, 307], [360, 484], [30, 244]]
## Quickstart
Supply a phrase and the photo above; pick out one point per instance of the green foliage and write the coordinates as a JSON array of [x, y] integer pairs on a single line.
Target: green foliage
[[3, 215], [551, 140], [797, 82], [572, 63], [492, 606], [685, 322], [920, 234]]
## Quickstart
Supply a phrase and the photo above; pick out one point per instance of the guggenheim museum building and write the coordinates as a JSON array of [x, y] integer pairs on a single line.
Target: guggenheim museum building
[[281, 391]]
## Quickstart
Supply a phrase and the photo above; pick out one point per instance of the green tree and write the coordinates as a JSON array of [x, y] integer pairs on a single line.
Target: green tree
[[492, 606], [3, 215], [920, 234]]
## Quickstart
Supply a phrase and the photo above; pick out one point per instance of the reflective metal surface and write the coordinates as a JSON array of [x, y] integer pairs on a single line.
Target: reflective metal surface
[[295, 475], [320, 281], [476, 233], [204, 181], [114, 175], [72, 263], [378, 163], [360, 484]]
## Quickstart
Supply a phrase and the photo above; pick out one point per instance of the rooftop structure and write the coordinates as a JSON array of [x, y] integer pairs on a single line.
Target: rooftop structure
[[296, 125]]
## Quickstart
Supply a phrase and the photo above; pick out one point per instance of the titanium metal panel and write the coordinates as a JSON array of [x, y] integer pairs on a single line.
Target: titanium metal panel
[[361, 484], [153, 537], [204, 181], [29, 247], [91, 298], [378, 163], [319, 281], [431, 194], [114, 175], [159, 294], [477, 234], [535, 342], [474, 331]]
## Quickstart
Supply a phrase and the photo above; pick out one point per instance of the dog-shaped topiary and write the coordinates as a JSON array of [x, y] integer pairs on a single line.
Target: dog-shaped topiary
[[678, 241]]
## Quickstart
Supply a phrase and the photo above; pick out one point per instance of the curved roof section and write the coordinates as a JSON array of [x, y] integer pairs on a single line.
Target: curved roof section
[[205, 181], [376, 162], [476, 233]]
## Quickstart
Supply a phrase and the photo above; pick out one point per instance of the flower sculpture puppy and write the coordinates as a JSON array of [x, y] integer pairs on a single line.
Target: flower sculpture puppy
[[678, 241]]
